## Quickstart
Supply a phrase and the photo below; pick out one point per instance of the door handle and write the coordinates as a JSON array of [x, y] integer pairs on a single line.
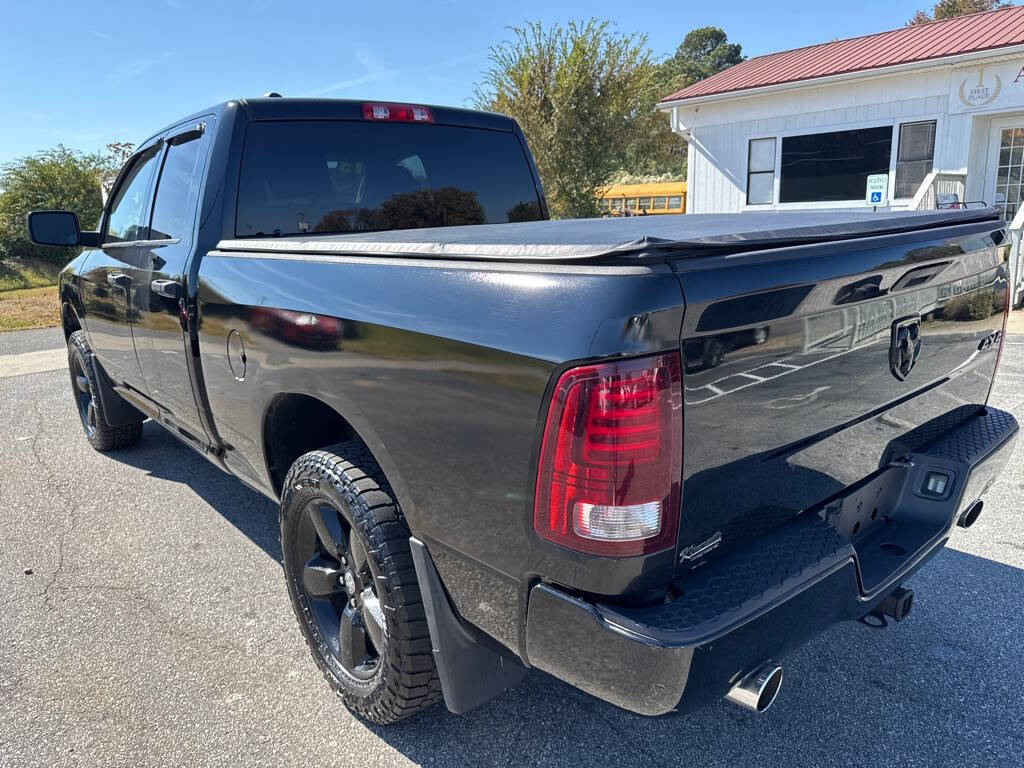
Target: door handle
[[169, 289], [119, 280]]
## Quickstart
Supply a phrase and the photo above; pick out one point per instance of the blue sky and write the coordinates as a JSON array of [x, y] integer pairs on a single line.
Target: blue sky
[[84, 74]]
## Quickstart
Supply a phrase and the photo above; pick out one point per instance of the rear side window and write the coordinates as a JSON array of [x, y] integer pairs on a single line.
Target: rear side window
[[176, 191], [349, 176]]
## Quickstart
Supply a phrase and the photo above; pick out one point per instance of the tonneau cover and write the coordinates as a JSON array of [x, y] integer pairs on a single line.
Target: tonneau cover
[[639, 237]]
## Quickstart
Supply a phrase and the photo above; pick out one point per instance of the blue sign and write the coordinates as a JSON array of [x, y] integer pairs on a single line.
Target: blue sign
[[877, 189]]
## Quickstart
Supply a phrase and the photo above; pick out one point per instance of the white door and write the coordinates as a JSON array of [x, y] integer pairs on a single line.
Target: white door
[[1006, 165]]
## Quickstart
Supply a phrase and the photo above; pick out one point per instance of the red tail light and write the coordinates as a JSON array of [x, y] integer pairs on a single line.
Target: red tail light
[[608, 481], [400, 113]]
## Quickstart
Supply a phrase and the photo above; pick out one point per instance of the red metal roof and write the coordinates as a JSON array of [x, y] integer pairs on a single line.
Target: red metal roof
[[921, 42]]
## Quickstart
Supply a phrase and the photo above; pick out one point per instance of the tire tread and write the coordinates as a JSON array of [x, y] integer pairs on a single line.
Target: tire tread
[[410, 683], [105, 437]]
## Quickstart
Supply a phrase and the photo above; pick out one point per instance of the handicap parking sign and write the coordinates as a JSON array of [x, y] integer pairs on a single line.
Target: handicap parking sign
[[877, 189]]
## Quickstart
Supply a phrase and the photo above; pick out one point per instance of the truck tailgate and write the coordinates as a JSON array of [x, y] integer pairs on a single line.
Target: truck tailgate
[[808, 368]]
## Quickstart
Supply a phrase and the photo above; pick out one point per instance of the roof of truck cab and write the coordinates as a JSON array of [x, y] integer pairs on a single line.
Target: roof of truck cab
[[281, 108], [637, 236]]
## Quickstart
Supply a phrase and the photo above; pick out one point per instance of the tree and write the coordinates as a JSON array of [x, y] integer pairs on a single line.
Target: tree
[[657, 152], [949, 9], [705, 51], [58, 178], [583, 95], [113, 160]]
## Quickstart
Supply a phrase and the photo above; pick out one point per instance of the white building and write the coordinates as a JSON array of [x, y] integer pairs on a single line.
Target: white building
[[939, 108]]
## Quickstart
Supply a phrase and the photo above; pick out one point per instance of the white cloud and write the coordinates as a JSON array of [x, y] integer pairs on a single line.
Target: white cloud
[[130, 68], [375, 72]]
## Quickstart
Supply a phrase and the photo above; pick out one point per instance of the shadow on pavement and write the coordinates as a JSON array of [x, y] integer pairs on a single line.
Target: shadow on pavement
[[162, 455], [941, 688]]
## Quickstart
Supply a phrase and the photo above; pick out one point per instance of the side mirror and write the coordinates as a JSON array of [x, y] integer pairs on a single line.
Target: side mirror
[[54, 228]]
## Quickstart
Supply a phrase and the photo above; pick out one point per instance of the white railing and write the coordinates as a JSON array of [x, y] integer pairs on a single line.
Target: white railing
[[1016, 228], [935, 185]]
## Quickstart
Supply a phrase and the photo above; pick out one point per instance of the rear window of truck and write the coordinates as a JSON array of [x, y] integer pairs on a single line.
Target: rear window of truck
[[300, 177]]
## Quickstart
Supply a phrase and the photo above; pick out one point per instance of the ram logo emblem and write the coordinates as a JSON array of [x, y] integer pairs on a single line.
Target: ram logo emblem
[[905, 346]]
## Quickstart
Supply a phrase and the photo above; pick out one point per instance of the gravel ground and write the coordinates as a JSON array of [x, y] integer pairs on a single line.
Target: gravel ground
[[144, 621]]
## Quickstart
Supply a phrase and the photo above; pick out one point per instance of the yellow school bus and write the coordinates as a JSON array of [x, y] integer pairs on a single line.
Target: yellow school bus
[[637, 199]]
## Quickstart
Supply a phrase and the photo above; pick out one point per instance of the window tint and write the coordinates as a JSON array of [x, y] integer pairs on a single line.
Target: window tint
[[129, 205], [914, 158], [176, 191], [834, 165], [347, 176]]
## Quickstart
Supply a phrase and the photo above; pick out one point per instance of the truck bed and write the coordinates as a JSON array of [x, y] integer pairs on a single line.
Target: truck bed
[[638, 238]]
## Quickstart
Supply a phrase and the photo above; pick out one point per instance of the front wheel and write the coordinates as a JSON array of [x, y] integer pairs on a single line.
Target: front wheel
[[352, 584], [84, 387]]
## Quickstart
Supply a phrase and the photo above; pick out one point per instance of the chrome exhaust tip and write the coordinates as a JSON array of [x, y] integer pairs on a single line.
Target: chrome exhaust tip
[[757, 691], [971, 514]]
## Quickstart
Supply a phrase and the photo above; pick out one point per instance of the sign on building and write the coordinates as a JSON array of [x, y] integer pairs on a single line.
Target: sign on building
[[877, 189]]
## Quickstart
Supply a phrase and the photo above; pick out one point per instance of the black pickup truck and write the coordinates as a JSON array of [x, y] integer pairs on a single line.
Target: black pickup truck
[[504, 446]]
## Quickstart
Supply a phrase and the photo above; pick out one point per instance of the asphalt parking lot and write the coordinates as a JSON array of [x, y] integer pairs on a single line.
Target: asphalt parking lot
[[144, 621]]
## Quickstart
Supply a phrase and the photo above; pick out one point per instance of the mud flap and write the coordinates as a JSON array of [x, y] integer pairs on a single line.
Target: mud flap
[[471, 672]]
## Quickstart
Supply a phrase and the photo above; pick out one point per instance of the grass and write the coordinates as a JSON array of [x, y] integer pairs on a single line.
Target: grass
[[29, 308], [16, 274]]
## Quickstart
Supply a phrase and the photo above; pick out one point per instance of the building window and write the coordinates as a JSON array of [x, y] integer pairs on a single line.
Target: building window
[[914, 156], [761, 172], [821, 167], [1010, 171], [659, 203]]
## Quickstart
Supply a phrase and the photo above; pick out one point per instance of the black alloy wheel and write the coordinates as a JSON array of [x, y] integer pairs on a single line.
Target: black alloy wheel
[[352, 583], [83, 396], [84, 368], [339, 582]]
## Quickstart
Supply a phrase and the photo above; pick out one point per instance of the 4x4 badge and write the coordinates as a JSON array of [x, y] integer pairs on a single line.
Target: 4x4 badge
[[905, 346]]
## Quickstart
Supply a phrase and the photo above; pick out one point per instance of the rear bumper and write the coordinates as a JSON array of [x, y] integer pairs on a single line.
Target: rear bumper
[[761, 601]]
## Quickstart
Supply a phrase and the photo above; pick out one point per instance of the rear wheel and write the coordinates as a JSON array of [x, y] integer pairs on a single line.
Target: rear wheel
[[353, 586], [84, 387]]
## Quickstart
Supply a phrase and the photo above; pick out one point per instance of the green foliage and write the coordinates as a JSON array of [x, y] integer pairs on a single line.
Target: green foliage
[[584, 96], [624, 176], [17, 274], [58, 178], [657, 152], [949, 9], [705, 51], [972, 306]]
